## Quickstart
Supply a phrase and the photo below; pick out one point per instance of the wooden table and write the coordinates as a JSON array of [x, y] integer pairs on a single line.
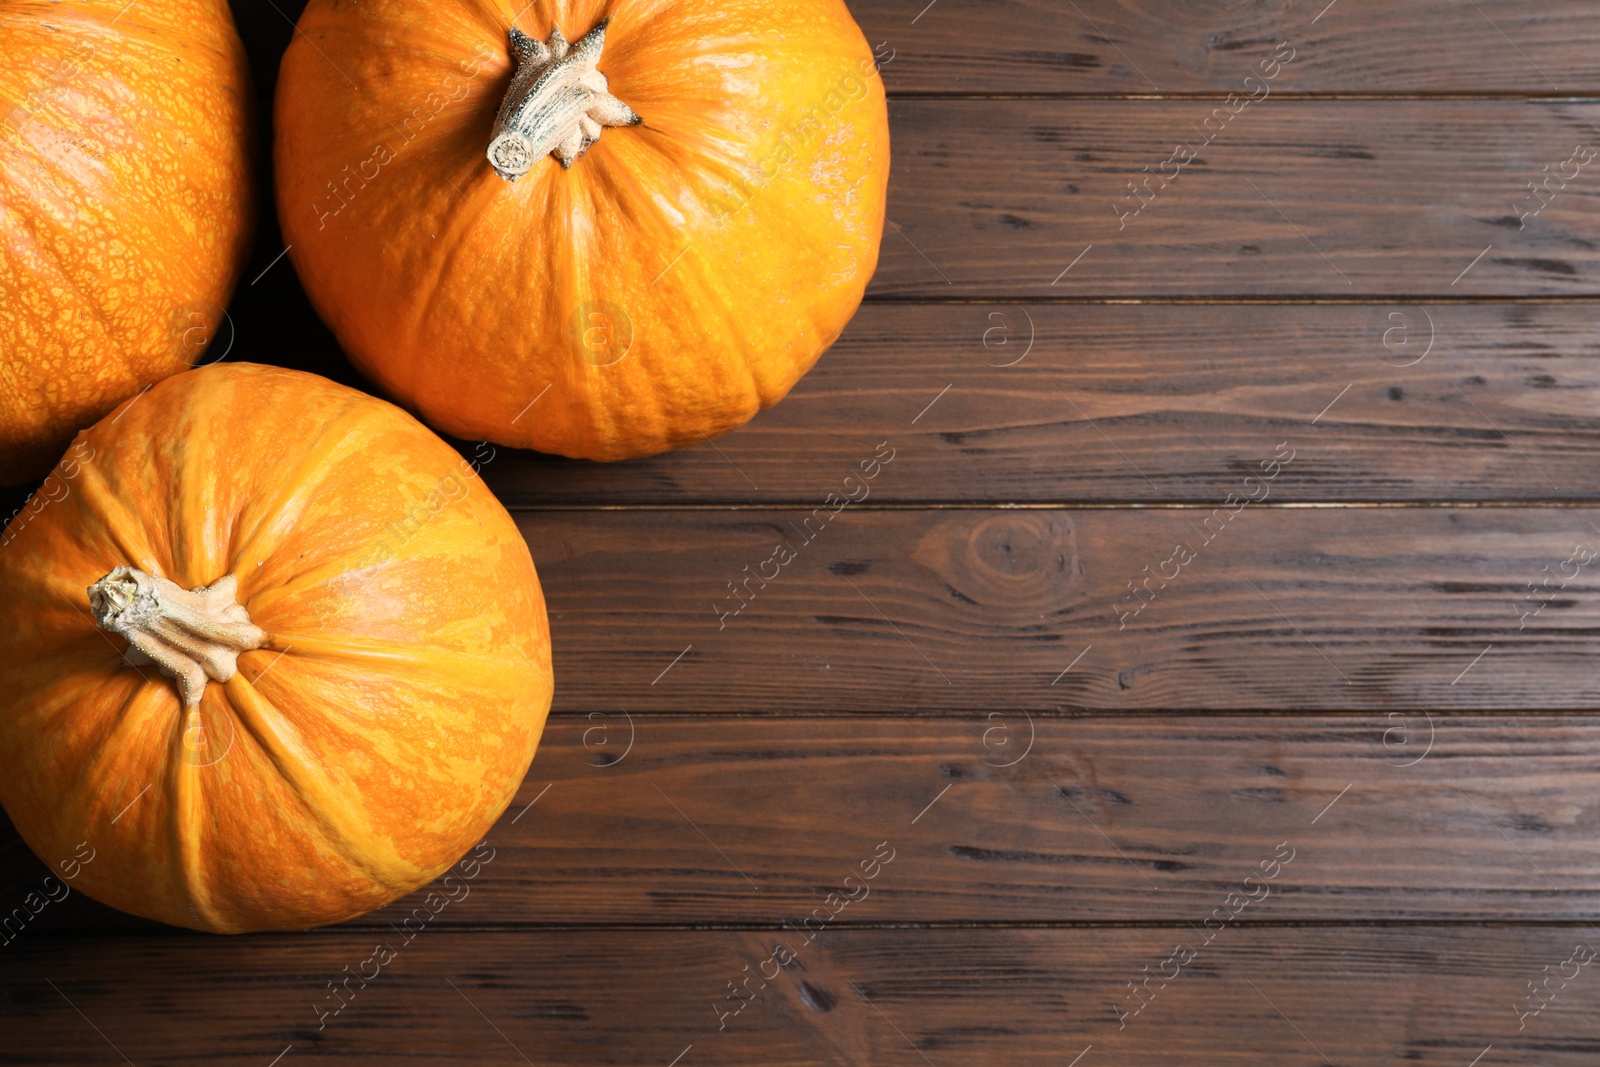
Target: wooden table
[[1209, 678]]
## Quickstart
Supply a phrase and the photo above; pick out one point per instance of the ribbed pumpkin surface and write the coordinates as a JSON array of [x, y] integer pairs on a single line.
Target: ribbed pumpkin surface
[[378, 734], [680, 276]]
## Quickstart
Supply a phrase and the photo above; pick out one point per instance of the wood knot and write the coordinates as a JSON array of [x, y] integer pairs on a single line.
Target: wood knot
[[819, 1000], [1023, 562]]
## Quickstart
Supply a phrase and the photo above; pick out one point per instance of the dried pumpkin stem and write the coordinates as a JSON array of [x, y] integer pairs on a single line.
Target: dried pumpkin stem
[[192, 635], [558, 102]]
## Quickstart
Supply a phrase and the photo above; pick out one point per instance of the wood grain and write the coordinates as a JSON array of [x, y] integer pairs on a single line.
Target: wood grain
[[1277, 693], [1435, 996], [1138, 403], [1037, 403], [979, 610], [1394, 816], [1010, 47], [1343, 198], [1147, 404]]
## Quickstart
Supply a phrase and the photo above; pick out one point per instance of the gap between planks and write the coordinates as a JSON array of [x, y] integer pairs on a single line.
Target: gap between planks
[[497, 929], [1068, 505], [1212, 94], [1240, 300], [1080, 713]]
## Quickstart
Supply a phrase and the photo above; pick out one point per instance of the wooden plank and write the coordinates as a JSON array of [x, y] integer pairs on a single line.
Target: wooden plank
[[1346, 198], [1052, 404], [1026, 894], [1098, 46], [1360, 46], [1235, 607], [1131, 403], [1400, 196], [1394, 816], [1377, 199], [1435, 996], [979, 610]]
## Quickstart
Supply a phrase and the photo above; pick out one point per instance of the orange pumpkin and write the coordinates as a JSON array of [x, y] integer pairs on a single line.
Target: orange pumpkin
[[273, 655], [126, 206], [602, 228]]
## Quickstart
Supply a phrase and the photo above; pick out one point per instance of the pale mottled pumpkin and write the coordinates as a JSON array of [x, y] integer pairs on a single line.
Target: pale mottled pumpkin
[[276, 656]]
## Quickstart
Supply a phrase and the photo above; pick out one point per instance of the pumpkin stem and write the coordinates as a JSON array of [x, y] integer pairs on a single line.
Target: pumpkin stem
[[192, 635], [558, 102]]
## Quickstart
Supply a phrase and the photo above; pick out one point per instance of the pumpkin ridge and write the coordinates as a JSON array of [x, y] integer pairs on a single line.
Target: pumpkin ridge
[[556, 250], [441, 674], [547, 674], [253, 710], [50, 696], [82, 797], [294, 484], [457, 233], [188, 853], [495, 17], [108, 514], [185, 818], [264, 601], [725, 315], [443, 663], [440, 680], [105, 747]]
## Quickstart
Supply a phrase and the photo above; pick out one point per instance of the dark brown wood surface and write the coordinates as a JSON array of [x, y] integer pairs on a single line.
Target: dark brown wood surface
[[1000, 817], [1264, 997], [1150, 48], [1303, 197], [957, 609], [1049, 403], [1384, 667]]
